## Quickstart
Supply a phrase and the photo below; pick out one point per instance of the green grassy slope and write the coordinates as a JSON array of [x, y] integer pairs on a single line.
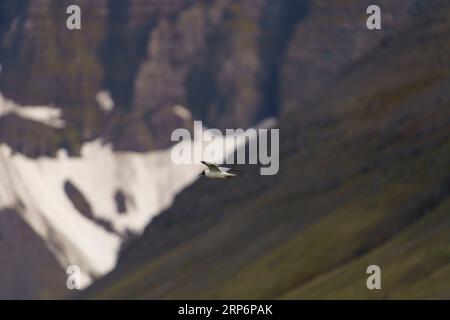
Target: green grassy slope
[[364, 179]]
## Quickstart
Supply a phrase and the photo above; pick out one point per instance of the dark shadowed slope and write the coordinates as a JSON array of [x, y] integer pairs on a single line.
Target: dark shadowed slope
[[364, 179], [29, 269]]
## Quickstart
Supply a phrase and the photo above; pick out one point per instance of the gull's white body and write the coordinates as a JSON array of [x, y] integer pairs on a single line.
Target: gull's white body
[[218, 175], [215, 172]]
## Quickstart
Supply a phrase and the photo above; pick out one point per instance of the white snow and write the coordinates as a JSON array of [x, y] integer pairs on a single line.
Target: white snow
[[35, 189], [149, 181], [267, 123], [104, 100], [48, 115], [182, 112]]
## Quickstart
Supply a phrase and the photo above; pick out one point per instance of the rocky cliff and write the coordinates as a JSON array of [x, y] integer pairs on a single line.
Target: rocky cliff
[[231, 63]]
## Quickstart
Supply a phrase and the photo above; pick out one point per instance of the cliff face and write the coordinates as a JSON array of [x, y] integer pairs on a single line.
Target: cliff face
[[332, 37], [45, 64], [231, 63]]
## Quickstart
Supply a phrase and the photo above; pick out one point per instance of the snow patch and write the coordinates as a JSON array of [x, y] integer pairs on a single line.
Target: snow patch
[[47, 115], [149, 182], [104, 100], [182, 112]]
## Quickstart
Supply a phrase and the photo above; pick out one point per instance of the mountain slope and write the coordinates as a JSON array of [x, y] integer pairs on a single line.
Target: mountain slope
[[364, 179], [29, 269]]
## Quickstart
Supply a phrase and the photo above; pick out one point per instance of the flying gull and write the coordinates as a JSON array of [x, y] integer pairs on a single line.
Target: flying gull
[[215, 172]]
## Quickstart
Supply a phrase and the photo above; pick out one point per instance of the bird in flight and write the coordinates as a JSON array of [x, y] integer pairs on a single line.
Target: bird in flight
[[215, 172]]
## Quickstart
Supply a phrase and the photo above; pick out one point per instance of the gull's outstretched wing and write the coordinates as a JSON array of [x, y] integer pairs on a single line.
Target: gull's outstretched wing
[[232, 170], [211, 166]]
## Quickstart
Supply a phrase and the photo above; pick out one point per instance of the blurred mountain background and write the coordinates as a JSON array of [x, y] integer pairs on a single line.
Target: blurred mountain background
[[364, 178]]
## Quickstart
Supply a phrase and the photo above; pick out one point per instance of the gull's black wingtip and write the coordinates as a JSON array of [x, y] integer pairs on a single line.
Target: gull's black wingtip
[[235, 171]]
